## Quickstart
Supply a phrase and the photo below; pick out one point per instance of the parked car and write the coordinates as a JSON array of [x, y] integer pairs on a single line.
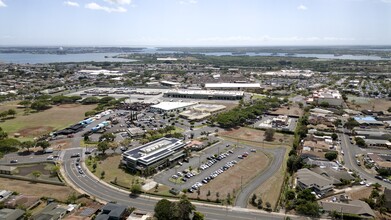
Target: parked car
[[75, 155]]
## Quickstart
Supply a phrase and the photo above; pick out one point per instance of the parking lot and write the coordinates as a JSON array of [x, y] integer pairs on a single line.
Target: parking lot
[[204, 166]]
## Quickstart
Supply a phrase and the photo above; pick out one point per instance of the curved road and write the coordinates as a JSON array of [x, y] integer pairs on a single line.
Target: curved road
[[349, 158], [274, 165], [89, 184]]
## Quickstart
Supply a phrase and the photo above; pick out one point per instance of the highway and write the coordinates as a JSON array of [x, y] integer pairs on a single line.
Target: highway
[[90, 185], [349, 158]]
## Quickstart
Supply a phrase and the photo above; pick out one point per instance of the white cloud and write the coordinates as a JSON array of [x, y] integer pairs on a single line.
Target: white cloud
[[119, 2], [72, 4], [95, 6], [2, 4], [188, 2], [302, 7]]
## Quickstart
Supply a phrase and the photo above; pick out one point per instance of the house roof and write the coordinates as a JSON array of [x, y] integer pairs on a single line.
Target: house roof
[[11, 214], [111, 210], [333, 174], [357, 207], [309, 178]]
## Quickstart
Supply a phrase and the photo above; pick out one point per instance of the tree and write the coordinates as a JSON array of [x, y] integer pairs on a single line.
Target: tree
[[324, 104], [185, 208], [25, 103], [294, 163], [36, 174], [43, 144], [94, 167], [103, 146], [72, 198], [360, 142], [259, 203], [331, 155], [11, 112], [308, 208], [269, 134], [27, 145], [334, 136], [198, 216], [253, 199], [351, 123], [102, 174], [166, 210], [3, 134], [90, 100], [163, 210], [389, 109], [136, 188], [40, 105], [268, 206], [290, 195], [109, 137]]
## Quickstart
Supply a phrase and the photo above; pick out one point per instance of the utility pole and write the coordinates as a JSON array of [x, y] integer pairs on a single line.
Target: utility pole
[[241, 183]]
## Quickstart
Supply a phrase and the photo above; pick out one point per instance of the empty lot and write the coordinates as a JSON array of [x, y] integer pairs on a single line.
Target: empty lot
[[36, 124]]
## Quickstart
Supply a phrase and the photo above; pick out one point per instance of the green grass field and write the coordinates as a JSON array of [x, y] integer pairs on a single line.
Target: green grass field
[[36, 124]]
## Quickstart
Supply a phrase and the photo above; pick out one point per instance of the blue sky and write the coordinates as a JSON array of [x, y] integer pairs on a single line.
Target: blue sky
[[195, 22]]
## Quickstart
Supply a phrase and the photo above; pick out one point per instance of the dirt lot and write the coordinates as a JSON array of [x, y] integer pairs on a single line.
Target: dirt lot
[[36, 124], [230, 180], [361, 192], [37, 189], [270, 190], [257, 136], [28, 169], [361, 103], [292, 110]]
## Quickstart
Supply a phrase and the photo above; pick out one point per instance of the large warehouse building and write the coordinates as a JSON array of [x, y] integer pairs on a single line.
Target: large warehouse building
[[233, 86], [167, 107], [205, 94], [161, 152]]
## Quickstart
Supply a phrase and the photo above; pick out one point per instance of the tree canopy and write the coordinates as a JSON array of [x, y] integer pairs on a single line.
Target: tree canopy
[[181, 210]]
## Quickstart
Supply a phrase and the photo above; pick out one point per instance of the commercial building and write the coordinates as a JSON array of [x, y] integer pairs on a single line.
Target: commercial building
[[332, 97], [167, 107], [205, 94], [169, 83], [368, 120], [161, 152], [378, 143], [233, 86]]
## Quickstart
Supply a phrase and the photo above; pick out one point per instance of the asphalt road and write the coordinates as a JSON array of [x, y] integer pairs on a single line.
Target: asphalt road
[[91, 186], [275, 164], [349, 158]]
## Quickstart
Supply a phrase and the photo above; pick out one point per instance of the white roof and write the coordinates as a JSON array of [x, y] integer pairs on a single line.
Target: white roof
[[207, 92], [232, 85], [166, 106]]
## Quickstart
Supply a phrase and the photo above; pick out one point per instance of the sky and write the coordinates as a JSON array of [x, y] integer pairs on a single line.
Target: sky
[[194, 22]]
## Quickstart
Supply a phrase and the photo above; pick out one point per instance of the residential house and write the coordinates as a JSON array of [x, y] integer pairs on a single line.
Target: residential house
[[355, 207], [112, 211], [52, 211], [11, 214], [307, 179]]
